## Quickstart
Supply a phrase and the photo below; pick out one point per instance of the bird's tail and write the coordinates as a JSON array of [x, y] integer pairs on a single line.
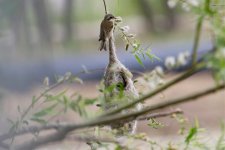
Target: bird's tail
[[103, 46]]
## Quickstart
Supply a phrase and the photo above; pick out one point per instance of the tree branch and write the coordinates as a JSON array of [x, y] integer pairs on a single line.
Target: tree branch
[[31, 129], [66, 128], [57, 136], [106, 12], [159, 115]]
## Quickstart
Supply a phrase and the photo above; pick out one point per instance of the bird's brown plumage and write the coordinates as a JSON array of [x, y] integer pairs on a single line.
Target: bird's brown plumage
[[106, 30]]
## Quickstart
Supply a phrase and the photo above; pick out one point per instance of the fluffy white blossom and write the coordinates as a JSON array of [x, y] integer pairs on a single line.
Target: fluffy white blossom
[[186, 7], [172, 3], [159, 70], [170, 62], [118, 19], [186, 54], [181, 60], [125, 28], [131, 35], [134, 45], [67, 75], [193, 2], [46, 81], [189, 3]]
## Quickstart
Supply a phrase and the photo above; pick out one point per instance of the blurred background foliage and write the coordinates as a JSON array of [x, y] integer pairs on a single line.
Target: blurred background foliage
[[30, 24]]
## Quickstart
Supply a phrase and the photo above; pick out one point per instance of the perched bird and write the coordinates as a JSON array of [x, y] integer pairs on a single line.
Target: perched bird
[[117, 74], [106, 30]]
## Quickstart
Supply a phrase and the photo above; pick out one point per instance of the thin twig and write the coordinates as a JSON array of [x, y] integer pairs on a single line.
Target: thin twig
[[159, 115], [106, 12], [93, 139], [196, 39], [27, 110], [57, 136], [198, 32]]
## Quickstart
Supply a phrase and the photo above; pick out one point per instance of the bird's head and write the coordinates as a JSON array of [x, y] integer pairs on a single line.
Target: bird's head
[[109, 17]]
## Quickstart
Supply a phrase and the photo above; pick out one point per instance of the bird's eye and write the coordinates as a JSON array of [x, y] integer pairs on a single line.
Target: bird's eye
[[110, 18]]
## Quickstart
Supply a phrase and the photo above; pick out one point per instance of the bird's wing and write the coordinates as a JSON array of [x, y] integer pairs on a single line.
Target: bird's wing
[[102, 33]]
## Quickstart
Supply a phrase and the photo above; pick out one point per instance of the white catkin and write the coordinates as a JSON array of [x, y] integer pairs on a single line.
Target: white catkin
[[172, 3], [194, 2], [182, 60], [159, 70], [125, 28], [170, 62]]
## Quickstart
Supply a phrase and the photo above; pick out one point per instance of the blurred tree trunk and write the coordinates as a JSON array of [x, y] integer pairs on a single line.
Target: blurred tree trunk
[[148, 13], [68, 22], [43, 23], [19, 24], [170, 20]]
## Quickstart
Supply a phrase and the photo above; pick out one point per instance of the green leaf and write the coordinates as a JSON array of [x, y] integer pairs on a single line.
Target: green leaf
[[118, 147], [66, 103], [139, 60], [56, 97], [152, 56], [155, 124], [44, 112], [76, 79], [192, 132], [90, 101], [110, 88]]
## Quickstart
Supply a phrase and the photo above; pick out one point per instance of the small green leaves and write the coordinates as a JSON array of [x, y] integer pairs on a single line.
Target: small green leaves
[[118, 147], [192, 136], [78, 80], [151, 56], [139, 60], [45, 111], [216, 62], [155, 124], [192, 132], [39, 116], [137, 51]]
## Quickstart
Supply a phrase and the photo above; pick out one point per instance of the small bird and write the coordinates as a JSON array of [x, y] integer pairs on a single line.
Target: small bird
[[106, 30]]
